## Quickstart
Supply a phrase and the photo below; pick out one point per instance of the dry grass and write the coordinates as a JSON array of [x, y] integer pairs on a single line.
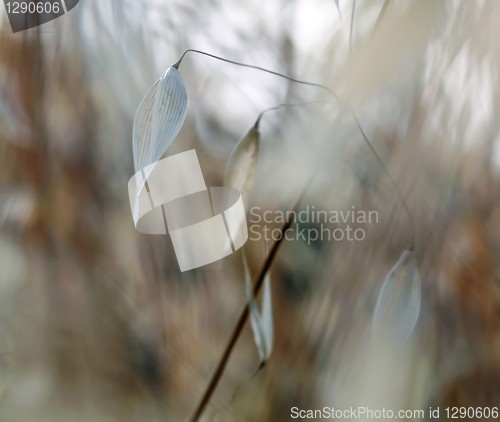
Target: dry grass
[[96, 321]]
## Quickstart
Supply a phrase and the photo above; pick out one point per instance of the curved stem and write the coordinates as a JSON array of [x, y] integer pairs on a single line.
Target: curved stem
[[393, 181], [214, 381], [262, 69], [333, 94], [261, 114]]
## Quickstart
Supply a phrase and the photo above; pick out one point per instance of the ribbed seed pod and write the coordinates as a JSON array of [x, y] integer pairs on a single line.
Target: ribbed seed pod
[[242, 163], [159, 118], [399, 301]]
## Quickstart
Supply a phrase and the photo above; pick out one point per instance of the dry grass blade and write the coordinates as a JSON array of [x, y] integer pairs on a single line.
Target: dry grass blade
[[261, 323]]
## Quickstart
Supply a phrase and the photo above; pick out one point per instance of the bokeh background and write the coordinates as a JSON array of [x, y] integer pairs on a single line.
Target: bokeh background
[[96, 321]]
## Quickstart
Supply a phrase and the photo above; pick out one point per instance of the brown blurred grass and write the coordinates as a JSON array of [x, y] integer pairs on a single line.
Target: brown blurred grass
[[97, 323]]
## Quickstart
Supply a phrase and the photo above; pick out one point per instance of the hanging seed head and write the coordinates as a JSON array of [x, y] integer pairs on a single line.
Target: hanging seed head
[[242, 163], [399, 301], [159, 118]]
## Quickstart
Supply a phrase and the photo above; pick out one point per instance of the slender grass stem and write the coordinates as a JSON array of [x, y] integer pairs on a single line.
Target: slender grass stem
[[340, 101], [240, 324], [284, 105], [251, 66]]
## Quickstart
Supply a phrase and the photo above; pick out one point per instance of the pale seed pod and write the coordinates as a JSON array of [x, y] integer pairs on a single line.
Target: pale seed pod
[[261, 321], [242, 163], [399, 301], [159, 118]]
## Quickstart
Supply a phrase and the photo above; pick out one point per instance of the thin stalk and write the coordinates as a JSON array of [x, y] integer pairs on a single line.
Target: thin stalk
[[283, 105], [342, 103], [251, 66], [393, 181], [240, 324]]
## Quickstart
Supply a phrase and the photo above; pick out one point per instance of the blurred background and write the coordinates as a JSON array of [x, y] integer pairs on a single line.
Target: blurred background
[[96, 320]]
